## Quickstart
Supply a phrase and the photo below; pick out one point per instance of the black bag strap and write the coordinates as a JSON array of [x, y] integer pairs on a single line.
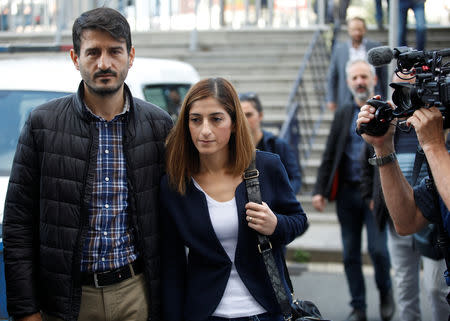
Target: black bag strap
[[418, 161], [251, 175]]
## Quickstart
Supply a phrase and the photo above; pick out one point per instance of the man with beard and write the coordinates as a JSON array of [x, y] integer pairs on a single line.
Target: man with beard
[[81, 214], [338, 93], [339, 177]]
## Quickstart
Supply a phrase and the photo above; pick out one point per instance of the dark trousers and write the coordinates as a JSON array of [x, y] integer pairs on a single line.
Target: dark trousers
[[353, 213]]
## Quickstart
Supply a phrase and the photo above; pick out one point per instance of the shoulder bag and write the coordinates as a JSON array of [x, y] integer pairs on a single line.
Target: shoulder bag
[[297, 310]]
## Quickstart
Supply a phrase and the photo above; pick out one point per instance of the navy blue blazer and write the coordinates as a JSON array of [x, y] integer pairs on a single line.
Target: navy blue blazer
[[192, 288], [277, 145]]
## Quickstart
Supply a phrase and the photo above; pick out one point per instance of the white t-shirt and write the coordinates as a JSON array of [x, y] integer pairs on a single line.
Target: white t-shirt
[[236, 300]]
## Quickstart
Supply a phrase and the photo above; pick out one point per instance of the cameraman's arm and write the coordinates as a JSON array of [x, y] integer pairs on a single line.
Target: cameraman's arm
[[398, 194], [399, 198], [428, 124]]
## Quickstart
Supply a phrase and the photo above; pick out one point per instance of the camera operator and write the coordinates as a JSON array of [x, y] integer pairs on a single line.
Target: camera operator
[[411, 209]]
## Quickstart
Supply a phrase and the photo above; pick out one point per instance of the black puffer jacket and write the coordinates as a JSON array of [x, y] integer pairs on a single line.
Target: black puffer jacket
[[45, 218]]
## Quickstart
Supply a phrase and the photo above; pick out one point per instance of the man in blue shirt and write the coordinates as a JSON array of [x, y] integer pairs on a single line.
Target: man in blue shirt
[[342, 159]]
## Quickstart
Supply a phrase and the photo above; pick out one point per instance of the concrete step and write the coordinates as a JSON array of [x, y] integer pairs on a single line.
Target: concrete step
[[322, 241]]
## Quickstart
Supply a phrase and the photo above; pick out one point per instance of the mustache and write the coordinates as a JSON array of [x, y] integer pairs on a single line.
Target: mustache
[[105, 72], [361, 87]]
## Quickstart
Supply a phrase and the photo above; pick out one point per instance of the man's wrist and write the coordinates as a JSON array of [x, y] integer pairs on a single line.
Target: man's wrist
[[382, 160], [382, 151]]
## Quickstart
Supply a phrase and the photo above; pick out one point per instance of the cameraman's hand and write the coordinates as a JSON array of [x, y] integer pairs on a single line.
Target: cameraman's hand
[[383, 145], [428, 124]]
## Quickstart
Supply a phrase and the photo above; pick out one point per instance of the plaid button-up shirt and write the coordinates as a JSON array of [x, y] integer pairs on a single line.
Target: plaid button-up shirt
[[109, 243]]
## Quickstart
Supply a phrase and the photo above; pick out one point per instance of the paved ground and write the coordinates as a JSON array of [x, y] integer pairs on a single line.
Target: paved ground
[[326, 286]]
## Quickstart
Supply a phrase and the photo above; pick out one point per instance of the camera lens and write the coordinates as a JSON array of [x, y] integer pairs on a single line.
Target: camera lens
[[402, 98], [407, 99]]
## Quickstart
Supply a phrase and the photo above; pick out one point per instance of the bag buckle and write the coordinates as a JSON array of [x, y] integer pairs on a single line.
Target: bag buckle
[[268, 247], [252, 173]]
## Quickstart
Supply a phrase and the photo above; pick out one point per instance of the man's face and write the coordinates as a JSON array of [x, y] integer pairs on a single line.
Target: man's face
[[103, 62], [254, 118], [356, 30], [361, 81]]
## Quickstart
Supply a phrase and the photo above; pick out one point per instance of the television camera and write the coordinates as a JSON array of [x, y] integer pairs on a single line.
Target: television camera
[[431, 86]]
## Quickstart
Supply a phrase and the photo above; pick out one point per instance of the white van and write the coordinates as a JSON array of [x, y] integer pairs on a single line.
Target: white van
[[28, 82]]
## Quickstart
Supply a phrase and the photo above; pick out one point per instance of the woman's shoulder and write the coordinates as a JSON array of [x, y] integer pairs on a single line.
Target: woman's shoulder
[[266, 159], [266, 156]]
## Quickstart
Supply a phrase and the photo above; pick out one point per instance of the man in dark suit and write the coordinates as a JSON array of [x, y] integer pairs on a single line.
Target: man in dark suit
[[338, 93], [342, 159]]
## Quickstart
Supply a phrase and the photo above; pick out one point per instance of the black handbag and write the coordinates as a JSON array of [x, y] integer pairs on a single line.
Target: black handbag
[[298, 310]]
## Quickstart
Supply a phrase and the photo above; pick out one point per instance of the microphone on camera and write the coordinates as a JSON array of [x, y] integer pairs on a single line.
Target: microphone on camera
[[380, 56]]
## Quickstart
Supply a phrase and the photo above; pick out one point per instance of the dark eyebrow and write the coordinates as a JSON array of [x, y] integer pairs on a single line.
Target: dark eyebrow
[[219, 113], [110, 48]]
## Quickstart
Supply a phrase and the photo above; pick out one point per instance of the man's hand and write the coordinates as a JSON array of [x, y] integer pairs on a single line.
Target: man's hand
[[428, 124], [261, 218], [383, 145], [319, 202], [31, 317], [331, 106]]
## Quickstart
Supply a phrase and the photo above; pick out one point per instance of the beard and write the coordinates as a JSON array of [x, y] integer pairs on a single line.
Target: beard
[[361, 95], [105, 90]]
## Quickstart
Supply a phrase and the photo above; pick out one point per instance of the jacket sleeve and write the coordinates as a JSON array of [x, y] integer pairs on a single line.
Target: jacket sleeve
[[21, 228], [291, 165], [333, 76], [326, 166], [291, 219], [173, 263]]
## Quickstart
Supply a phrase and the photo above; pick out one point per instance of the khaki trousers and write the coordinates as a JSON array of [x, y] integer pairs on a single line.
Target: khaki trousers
[[124, 301]]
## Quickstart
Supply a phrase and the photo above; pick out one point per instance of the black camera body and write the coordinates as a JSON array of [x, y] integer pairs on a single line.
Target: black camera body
[[431, 88]]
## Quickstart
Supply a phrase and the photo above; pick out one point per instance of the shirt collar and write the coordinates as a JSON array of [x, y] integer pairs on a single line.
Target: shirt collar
[[126, 108]]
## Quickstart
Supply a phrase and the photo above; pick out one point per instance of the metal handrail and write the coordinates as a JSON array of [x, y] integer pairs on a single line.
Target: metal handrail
[[301, 127]]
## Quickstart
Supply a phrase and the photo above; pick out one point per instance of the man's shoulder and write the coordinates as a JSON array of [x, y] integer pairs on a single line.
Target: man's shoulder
[[53, 107], [146, 109], [273, 140], [341, 45]]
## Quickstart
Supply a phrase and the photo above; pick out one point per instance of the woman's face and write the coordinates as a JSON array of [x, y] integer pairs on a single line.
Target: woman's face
[[210, 126]]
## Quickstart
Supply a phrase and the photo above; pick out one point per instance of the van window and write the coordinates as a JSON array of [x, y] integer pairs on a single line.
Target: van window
[[167, 97], [15, 105]]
